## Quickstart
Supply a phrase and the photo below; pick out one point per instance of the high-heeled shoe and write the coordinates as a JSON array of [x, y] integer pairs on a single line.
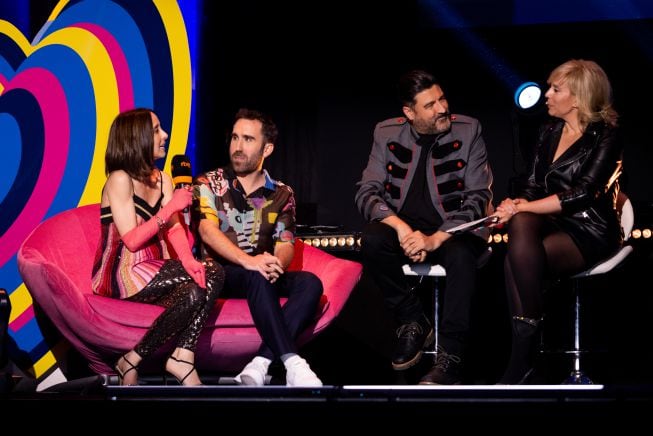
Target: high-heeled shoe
[[121, 374], [192, 368]]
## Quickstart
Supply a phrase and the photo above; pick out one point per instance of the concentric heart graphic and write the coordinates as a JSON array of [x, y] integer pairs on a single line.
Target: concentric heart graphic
[[58, 96]]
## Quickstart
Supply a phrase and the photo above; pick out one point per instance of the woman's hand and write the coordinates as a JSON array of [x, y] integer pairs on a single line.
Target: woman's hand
[[507, 209], [181, 198], [195, 269]]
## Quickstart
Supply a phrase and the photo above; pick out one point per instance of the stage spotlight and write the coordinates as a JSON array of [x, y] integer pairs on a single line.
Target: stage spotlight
[[527, 95]]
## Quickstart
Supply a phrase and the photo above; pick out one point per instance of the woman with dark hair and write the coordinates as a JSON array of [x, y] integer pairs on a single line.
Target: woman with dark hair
[[138, 209]]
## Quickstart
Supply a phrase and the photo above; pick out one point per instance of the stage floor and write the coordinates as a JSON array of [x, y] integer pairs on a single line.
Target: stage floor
[[366, 407]]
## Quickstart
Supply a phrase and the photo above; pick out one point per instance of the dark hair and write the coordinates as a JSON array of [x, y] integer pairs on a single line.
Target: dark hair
[[131, 144], [412, 83], [269, 129]]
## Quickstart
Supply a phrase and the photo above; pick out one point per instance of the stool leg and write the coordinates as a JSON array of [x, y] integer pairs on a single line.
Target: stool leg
[[577, 377], [436, 317]]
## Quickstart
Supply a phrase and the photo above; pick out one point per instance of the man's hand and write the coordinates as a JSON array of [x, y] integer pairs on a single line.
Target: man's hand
[[414, 244], [417, 245], [268, 265], [399, 226]]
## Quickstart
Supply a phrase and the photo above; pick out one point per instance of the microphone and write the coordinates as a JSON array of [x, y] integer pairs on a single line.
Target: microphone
[[181, 173]]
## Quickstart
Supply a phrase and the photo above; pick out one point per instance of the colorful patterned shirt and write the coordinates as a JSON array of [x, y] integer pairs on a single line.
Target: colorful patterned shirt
[[254, 222]]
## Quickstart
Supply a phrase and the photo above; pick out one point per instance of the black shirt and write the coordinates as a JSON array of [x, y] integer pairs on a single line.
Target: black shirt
[[418, 210]]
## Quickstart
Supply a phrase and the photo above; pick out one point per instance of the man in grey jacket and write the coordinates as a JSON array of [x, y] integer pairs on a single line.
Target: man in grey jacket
[[427, 173]]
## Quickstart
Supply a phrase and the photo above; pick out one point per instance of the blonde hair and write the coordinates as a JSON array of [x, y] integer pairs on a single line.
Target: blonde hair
[[589, 83]]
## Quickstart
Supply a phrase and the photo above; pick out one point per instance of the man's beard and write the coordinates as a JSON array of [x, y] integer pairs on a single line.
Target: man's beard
[[247, 166], [440, 125]]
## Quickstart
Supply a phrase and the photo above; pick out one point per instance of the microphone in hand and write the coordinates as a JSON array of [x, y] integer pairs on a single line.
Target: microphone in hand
[[182, 176]]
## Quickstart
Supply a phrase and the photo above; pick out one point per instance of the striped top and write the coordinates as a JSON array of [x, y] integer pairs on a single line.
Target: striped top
[[118, 272]]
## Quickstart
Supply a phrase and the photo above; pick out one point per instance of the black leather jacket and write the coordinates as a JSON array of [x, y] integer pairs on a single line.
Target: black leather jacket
[[585, 179]]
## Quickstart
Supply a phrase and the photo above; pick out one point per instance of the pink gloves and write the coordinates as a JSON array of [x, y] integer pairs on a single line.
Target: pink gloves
[[139, 235], [181, 198], [194, 268]]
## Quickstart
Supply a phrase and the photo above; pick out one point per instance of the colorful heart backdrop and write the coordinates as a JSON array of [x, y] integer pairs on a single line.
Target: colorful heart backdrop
[[58, 96]]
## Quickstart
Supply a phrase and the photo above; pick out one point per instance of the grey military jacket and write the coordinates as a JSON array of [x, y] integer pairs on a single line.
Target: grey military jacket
[[459, 175]]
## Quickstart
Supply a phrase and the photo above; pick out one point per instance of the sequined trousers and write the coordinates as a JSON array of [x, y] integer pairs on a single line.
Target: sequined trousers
[[187, 306]]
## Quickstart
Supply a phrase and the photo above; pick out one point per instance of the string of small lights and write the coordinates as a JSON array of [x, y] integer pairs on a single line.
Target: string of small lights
[[352, 241]]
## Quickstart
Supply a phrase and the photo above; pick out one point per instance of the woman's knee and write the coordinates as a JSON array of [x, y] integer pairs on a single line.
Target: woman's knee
[[214, 276], [195, 296], [524, 223]]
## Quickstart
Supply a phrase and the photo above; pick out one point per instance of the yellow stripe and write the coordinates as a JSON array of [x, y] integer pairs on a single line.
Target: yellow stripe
[[44, 364], [16, 35], [20, 301], [181, 76], [57, 9], [6, 28]]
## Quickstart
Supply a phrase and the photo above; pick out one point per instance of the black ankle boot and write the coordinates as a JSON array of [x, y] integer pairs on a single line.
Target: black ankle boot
[[520, 365]]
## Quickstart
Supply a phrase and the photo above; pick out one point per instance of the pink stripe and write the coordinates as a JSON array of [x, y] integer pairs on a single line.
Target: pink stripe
[[3, 81], [148, 269], [119, 61], [22, 319], [52, 100]]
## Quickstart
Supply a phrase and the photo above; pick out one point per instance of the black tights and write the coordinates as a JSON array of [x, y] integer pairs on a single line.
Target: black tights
[[537, 250], [187, 306]]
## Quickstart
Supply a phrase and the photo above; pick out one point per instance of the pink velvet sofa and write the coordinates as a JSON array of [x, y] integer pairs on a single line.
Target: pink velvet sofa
[[55, 262]]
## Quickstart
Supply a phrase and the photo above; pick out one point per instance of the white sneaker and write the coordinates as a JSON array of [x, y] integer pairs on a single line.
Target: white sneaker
[[298, 373], [254, 373]]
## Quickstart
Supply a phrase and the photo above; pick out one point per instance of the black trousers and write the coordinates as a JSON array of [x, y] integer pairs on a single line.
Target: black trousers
[[187, 305], [383, 258], [278, 326]]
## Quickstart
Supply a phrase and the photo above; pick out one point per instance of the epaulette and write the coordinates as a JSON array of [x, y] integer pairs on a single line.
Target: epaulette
[[397, 121], [457, 118]]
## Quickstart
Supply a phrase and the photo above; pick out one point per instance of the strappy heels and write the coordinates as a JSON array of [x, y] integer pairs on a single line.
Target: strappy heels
[[122, 374], [192, 368]]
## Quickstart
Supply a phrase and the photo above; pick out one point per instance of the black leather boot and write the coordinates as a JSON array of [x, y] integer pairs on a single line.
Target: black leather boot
[[520, 365]]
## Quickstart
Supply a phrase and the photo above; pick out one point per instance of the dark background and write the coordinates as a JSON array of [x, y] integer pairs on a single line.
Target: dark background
[[327, 74], [327, 71]]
